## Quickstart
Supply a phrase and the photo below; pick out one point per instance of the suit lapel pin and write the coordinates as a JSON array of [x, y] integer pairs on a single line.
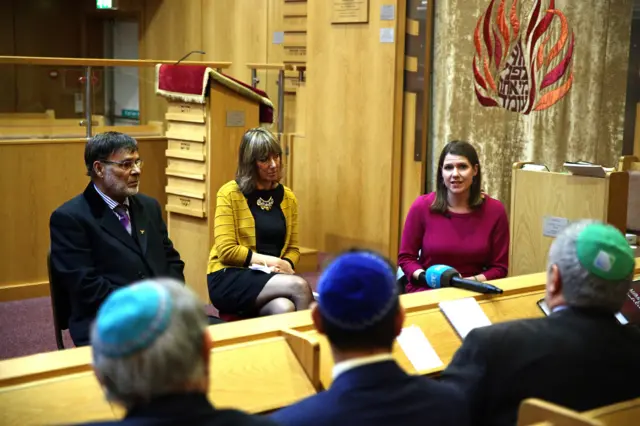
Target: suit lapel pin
[[142, 231]]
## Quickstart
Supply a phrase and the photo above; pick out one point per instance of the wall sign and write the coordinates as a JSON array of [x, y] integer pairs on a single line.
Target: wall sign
[[235, 119], [552, 226], [350, 11], [387, 12]]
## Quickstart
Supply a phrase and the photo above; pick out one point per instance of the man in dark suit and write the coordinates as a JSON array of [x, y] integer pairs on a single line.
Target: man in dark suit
[[151, 353], [109, 236], [579, 356], [359, 312]]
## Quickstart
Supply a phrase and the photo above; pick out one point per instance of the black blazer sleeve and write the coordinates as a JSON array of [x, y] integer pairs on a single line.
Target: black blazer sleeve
[[176, 266], [468, 371], [72, 260]]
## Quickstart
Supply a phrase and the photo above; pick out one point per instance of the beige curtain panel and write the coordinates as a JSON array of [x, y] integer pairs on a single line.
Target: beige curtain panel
[[530, 80]]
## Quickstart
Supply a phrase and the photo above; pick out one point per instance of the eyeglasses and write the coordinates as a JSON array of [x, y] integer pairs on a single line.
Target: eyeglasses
[[126, 164]]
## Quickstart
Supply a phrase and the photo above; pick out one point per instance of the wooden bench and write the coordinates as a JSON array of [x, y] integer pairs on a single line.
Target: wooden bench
[[265, 375], [257, 365], [536, 412]]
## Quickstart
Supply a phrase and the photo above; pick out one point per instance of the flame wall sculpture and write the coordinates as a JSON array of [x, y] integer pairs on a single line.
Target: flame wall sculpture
[[512, 64]]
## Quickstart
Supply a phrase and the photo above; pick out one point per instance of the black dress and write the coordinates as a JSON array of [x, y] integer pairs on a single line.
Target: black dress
[[234, 290]]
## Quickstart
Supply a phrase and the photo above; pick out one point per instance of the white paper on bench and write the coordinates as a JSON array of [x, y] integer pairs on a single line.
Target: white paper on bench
[[418, 349], [464, 314]]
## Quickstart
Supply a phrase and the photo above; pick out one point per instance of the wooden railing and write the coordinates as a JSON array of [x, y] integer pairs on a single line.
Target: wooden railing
[[97, 62], [88, 63]]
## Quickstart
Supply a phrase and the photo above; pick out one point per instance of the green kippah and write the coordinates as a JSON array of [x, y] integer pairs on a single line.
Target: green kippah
[[604, 252]]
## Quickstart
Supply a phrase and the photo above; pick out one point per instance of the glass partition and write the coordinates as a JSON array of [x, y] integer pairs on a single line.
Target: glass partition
[[51, 98]]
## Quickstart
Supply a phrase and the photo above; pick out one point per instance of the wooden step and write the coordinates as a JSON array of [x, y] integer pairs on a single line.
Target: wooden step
[[308, 261]]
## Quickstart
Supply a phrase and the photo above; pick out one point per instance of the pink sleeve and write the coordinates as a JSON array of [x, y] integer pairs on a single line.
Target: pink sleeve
[[499, 264], [412, 236]]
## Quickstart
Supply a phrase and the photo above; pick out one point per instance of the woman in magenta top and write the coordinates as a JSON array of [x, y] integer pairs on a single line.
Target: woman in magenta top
[[457, 225]]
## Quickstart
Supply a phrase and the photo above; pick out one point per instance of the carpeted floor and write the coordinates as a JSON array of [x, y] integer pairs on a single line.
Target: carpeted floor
[[26, 326]]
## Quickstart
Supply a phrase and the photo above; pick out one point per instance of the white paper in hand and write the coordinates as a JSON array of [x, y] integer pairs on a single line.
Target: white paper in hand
[[263, 268], [418, 349], [464, 315]]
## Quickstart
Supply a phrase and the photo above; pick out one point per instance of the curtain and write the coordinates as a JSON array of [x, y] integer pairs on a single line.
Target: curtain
[[526, 53]]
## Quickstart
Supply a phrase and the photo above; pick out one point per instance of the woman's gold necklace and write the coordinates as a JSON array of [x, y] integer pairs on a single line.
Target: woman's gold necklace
[[265, 204]]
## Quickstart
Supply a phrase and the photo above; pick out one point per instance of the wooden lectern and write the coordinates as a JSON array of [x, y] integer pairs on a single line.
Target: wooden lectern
[[543, 203], [203, 141]]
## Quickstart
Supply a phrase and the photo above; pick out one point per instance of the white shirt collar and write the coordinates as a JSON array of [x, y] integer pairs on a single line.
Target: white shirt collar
[[110, 202], [350, 364], [559, 308]]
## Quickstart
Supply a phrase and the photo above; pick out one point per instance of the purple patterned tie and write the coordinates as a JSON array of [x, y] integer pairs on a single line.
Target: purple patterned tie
[[123, 215]]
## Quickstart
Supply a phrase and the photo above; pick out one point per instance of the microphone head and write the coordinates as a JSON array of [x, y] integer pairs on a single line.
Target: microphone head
[[438, 276]]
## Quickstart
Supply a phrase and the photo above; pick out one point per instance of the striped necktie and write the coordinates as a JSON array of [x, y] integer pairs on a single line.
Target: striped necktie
[[123, 216]]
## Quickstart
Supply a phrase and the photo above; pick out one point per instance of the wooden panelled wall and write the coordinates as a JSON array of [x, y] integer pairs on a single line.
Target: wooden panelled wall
[[294, 27], [37, 176], [238, 31], [295, 31], [45, 28], [348, 164], [349, 161]]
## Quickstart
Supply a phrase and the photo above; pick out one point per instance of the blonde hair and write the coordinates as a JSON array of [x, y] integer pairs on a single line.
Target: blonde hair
[[257, 145]]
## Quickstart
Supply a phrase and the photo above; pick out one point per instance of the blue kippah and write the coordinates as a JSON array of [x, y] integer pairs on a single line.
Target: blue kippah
[[131, 319], [357, 290]]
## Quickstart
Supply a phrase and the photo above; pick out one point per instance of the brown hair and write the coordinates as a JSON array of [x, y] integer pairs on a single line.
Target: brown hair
[[464, 149], [257, 145]]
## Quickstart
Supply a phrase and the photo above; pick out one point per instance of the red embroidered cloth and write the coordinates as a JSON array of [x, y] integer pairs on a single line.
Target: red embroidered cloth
[[189, 83]]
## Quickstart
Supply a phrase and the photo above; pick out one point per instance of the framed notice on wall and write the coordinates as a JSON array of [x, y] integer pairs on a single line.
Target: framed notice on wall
[[350, 11]]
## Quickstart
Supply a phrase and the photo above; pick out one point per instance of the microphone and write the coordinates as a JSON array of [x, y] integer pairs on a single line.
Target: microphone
[[439, 276], [189, 54]]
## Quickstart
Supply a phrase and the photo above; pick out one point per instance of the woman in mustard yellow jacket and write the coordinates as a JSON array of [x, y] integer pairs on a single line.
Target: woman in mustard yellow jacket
[[252, 262]]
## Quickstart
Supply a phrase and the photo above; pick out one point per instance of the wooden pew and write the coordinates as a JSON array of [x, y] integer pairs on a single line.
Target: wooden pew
[[519, 302], [68, 399], [261, 376], [625, 413], [536, 412], [256, 364]]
